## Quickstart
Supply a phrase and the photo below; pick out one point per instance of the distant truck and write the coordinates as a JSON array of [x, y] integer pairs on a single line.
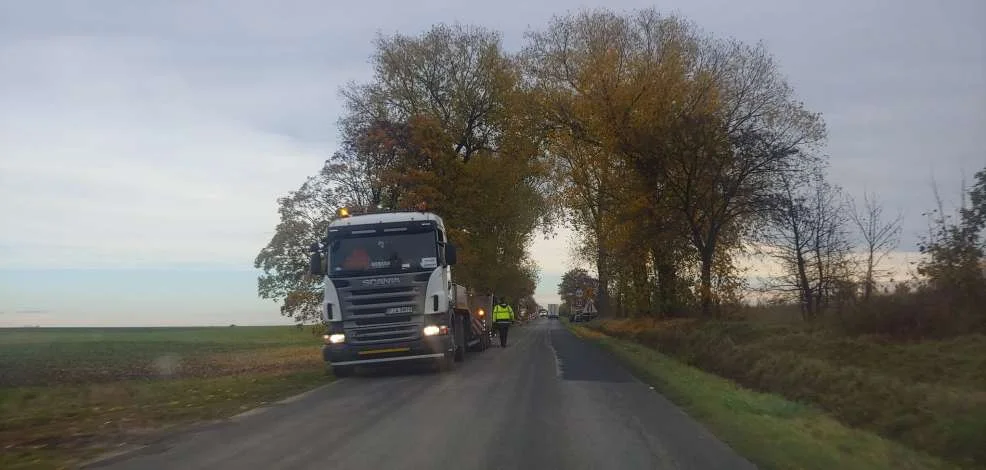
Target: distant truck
[[389, 295], [552, 310]]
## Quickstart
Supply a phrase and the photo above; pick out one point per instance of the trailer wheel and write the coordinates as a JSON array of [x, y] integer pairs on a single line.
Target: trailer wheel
[[343, 371], [446, 363], [459, 335]]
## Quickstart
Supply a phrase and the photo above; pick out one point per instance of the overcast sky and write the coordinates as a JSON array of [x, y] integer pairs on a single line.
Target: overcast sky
[[143, 144]]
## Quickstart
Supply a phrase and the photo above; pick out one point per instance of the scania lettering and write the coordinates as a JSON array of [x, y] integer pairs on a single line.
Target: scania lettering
[[389, 295], [381, 282]]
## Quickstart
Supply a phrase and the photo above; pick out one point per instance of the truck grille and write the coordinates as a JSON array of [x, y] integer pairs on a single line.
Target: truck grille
[[384, 333], [364, 309]]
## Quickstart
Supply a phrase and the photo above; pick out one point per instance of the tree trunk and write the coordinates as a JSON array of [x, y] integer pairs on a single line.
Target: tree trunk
[[820, 288], [706, 285], [804, 288], [641, 293], [868, 282], [667, 280], [602, 297]]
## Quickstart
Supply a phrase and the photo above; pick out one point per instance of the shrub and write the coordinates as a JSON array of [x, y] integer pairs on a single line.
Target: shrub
[[917, 315]]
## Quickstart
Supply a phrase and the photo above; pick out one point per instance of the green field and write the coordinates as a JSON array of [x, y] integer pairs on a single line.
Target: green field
[[68, 394]]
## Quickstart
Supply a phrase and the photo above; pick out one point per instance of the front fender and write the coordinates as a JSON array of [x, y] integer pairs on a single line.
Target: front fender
[[331, 298], [437, 287]]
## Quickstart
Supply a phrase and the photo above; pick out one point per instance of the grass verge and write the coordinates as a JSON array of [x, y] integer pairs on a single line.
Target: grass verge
[[772, 432]]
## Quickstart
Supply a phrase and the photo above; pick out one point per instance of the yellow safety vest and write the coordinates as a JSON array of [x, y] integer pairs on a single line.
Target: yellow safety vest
[[503, 313]]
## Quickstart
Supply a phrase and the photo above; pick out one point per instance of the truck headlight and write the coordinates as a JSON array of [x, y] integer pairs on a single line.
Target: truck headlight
[[336, 338], [432, 330]]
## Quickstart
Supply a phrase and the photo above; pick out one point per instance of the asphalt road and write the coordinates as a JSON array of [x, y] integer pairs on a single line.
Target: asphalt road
[[547, 401]]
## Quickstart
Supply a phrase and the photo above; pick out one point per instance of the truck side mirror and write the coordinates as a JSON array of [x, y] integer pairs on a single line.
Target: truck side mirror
[[450, 255], [315, 263]]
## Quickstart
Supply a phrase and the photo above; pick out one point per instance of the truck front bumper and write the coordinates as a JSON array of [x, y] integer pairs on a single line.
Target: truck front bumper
[[425, 348]]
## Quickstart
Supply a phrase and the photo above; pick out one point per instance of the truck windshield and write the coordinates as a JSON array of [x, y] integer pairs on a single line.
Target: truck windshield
[[379, 253]]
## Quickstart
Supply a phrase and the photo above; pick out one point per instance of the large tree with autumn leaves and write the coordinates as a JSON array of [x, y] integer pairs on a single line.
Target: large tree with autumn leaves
[[437, 123], [670, 142]]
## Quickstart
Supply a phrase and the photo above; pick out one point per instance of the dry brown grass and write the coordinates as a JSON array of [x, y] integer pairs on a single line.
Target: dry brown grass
[[284, 359]]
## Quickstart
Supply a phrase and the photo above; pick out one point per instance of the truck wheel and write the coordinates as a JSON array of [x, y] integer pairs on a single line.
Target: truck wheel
[[459, 335], [446, 363], [342, 371]]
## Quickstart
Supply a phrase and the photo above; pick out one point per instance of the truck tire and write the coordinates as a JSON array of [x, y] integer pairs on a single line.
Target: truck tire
[[343, 371], [485, 340], [459, 336], [446, 363]]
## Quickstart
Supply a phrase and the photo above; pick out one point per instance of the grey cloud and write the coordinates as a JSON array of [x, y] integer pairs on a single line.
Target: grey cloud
[[32, 311]]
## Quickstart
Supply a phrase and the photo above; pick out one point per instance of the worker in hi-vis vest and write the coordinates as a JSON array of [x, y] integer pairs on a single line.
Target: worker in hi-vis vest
[[503, 317]]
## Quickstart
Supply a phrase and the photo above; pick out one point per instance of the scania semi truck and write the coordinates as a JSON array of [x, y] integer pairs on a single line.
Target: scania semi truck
[[389, 294]]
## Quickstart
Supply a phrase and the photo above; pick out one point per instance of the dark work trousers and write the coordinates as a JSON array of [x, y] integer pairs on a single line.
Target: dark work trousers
[[502, 327]]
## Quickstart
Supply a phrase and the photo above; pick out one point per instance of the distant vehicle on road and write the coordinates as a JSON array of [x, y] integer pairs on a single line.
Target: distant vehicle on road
[[552, 310]]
